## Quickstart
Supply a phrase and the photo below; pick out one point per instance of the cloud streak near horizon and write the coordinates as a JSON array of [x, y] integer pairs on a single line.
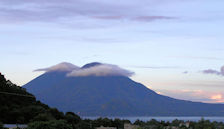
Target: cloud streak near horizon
[[215, 72], [195, 95], [156, 67]]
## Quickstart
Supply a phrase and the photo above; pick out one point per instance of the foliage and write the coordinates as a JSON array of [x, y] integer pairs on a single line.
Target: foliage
[[1, 125], [43, 117], [179, 124], [52, 124], [19, 106], [72, 119]]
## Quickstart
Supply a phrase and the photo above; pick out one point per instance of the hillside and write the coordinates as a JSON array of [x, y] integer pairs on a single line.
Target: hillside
[[19, 106]]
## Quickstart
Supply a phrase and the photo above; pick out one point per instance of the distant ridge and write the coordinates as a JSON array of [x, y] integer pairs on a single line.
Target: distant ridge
[[111, 96]]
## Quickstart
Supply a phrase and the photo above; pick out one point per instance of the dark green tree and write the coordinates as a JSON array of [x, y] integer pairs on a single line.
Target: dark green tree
[[1, 125], [56, 114], [84, 125], [43, 117], [53, 124], [176, 122], [139, 122], [72, 119]]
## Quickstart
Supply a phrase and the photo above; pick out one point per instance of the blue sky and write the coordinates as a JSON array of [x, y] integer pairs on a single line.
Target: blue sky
[[159, 40]]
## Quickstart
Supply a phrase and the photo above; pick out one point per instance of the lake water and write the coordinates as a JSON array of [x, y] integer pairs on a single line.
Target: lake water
[[133, 119]]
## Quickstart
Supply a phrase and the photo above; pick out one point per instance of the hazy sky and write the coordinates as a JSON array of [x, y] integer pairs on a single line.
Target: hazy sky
[[175, 47]]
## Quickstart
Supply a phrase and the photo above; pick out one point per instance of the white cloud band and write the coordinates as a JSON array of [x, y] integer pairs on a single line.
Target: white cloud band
[[64, 66], [96, 70]]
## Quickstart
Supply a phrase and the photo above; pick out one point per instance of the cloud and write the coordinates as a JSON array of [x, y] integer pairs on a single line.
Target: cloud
[[156, 67], [64, 66], [185, 72], [101, 70], [59, 11], [108, 17], [195, 95], [134, 18], [200, 57], [216, 97], [152, 18], [91, 69], [216, 72]]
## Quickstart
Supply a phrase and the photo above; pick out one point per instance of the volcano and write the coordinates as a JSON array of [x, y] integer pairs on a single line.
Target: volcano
[[107, 90]]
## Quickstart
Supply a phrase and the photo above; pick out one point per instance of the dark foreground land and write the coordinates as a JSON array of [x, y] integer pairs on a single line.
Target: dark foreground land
[[105, 123], [17, 106]]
